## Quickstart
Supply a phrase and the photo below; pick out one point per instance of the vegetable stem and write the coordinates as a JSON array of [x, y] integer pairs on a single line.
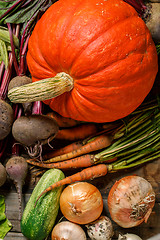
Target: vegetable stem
[[42, 90], [13, 48], [135, 140]]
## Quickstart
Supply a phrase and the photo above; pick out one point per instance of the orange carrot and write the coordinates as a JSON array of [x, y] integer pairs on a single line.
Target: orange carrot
[[94, 144], [71, 147], [63, 122], [77, 133], [83, 161], [79, 162], [86, 174]]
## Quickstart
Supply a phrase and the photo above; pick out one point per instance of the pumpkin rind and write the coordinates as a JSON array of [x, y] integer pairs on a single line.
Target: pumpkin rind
[[105, 47]]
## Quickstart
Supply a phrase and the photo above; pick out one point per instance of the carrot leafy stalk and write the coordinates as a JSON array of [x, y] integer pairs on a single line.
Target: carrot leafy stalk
[[158, 48]]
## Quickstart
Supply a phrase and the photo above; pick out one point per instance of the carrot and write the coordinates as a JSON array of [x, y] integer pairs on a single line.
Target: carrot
[[86, 174], [79, 162], [71, 147], [83, 161], [78, 132], [94, 144], [63, 122]]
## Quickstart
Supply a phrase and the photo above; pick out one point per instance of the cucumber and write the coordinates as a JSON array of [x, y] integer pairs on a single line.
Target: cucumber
[[38, 221]]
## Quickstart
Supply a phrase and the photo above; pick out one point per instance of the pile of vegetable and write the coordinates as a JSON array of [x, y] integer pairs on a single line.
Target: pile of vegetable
[[76, 103]]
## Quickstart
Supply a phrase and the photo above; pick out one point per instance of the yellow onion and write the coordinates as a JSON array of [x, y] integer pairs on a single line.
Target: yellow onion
[[130, 201], [81, 203]]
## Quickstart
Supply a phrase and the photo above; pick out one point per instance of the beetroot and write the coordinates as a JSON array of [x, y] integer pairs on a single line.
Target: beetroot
[[6, 119], [3, 174], [17, 169], [17, 82], [34, 131]]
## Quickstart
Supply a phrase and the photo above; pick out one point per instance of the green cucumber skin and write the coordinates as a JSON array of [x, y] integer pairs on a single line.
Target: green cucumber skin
[[38, 221]]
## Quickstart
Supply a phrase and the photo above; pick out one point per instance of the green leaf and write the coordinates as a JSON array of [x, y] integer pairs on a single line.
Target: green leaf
[[5, 224], [4, 5], [158, 48], [2, 204], [5, 227], [24, 10], [4, 36], [4, 53], [24, 14]]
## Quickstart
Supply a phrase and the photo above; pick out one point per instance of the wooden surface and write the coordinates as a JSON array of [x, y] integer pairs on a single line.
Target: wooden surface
[[151, 172]]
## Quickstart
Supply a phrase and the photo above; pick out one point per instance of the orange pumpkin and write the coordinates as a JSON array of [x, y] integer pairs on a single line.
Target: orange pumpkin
[[107, 50]]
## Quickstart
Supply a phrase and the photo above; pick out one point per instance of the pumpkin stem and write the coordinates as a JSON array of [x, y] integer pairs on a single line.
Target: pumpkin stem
[[42, 90]]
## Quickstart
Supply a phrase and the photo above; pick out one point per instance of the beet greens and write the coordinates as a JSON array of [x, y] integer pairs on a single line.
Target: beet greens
[[17, 20]]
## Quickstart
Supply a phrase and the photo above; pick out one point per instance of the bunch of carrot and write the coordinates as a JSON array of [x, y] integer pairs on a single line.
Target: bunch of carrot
[[127, 143], [78, 154]]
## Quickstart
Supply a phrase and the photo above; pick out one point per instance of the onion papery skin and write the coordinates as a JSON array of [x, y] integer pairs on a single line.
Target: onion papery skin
[[129, 236], [130, 201], [81, 203], [68, 231]]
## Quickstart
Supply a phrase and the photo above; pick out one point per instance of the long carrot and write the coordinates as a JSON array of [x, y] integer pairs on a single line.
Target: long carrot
[[79, 162], [63, 150], [79, 132], [94, 144], [63, 122], [83, 161], [88, 173]]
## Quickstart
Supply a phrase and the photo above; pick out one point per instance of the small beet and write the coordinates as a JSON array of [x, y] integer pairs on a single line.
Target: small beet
[[3, 174], [34, 131], [17, 82], [6, 119], [29, 130], [17, 169]]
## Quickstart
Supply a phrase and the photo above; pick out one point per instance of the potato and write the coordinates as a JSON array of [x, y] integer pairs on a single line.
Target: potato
[[29, 130]]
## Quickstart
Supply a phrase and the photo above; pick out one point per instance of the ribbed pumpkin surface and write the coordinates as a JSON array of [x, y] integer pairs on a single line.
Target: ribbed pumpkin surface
[[105, 47]]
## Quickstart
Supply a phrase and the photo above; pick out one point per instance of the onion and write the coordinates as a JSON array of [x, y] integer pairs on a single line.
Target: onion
[[68, 231], [101, 229], [81, 203], [129, 236], [130, 201]]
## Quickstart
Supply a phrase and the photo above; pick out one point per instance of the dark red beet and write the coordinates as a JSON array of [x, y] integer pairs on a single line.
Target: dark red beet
[[17, 169]]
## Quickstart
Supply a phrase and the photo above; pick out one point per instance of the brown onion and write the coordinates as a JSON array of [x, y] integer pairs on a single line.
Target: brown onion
[[130, 201], [81, 203]]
